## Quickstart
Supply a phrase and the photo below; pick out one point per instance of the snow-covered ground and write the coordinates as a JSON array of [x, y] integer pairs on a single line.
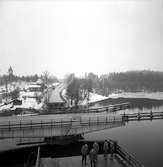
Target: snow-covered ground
[[5, 107], [96, 97], [31, 103], [151, 95], [28, 97], [28, 103]]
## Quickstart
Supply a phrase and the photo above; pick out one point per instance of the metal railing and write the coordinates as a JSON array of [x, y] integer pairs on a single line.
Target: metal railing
[[128, 159], [64, 126], [110, 108], [37, 164]]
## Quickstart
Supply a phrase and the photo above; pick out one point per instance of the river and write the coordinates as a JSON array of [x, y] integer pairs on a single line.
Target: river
[[143, 139]]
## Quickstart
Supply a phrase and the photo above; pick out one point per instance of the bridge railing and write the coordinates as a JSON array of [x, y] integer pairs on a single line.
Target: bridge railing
[[110, 108], [127, 157], [60, 123]]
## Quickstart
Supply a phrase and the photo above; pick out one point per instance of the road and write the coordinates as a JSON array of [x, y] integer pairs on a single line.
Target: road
[[55, 95]]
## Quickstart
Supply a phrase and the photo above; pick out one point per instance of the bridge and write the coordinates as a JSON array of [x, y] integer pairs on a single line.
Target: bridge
[[121, 157], [53, 126], [67, 125]]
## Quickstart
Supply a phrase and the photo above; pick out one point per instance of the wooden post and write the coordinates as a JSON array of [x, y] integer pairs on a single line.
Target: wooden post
[[139, 116], [151, 115], [124, 117], [106, 119], [114, 119]]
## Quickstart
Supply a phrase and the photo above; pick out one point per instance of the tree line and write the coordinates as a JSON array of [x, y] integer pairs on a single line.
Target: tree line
[[131, 81], [11, 77]]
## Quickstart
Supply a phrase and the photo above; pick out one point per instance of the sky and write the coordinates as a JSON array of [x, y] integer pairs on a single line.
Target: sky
[[76, 36]]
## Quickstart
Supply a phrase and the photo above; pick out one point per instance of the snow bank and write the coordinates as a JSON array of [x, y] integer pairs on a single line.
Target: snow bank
[[93, 97], [96, 97], [6, 107]]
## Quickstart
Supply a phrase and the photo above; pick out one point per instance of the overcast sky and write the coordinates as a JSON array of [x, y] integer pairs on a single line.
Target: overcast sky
[[80, 36]]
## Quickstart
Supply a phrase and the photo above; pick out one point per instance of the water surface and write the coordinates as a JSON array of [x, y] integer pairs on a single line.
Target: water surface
[[144, 139]]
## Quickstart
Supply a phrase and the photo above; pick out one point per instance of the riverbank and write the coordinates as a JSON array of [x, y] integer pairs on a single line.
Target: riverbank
[[134, 103]]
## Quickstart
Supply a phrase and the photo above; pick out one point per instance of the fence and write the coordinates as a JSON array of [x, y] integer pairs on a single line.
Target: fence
[[58, 127], [142, 116]]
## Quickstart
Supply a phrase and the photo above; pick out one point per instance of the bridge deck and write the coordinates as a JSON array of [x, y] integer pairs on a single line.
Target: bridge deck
[[76, 162], [58, 126]]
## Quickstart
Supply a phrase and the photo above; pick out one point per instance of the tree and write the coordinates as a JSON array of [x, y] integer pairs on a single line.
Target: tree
[[45, 77], [73, 91], [10, 74], [78, 90], [69, 78], [15, 93]]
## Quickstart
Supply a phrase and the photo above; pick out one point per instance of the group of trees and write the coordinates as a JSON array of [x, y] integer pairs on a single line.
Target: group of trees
[[78, 89], [132, 81]]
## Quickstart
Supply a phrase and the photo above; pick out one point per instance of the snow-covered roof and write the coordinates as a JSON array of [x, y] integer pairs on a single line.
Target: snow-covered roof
[[30, 94]]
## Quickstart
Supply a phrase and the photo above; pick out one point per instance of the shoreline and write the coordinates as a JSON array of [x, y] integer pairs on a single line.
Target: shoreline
[[135, 103]]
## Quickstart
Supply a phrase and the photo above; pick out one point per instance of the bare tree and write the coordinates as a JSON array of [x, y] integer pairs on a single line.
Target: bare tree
[[69, 78], [78, 90], [45, 77]]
